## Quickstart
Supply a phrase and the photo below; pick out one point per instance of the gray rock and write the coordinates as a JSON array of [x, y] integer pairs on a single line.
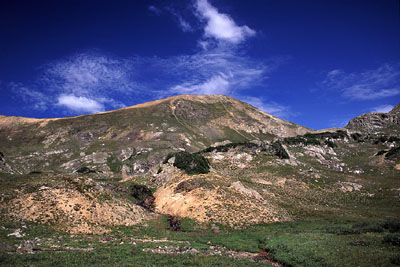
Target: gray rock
[[27, 247]]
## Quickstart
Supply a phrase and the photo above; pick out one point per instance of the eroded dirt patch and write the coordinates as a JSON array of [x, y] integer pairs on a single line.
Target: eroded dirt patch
[[77, 206], [212, 198]]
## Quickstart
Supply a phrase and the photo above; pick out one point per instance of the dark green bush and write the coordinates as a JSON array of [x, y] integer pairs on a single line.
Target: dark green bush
[[330, 143], [339, 230], [392, 239], [381, 152], [190, 163], [143, 196], [339, 134], [114, 164], [393, 153], [381, 139], [369, 227], [279, 150], [314, 138], [225, 148], [302, 140], [394, 139], [395, 259], [356, 136], [392, 224], [85, 170], [384, 138]]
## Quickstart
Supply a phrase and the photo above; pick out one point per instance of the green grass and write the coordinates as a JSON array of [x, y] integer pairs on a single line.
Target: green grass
[[304, 243]]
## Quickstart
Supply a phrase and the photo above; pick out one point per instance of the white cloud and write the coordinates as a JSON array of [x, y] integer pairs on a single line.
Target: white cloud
[[221, 26], [79, 104], [368, 85], [382, 108]]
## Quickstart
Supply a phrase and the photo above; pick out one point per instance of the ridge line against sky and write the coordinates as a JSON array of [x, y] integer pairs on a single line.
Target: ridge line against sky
[[226, 52]]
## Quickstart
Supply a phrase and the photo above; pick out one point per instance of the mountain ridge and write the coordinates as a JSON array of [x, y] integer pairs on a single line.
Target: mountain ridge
[[184, 122]]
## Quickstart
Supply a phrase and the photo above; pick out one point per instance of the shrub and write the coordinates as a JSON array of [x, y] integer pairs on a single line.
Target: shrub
[[330, 143], [190, 163], [395, 259], [393, 153], [225, 148], [85, 170], [384, 138], [143, 196], [369, 227], [339, 230], [392, 239], [381, 152], [356, 136], [114, 164], [302, 140], [394, 139], [279, 150], [339, 134], [314, 138], [392, 224]]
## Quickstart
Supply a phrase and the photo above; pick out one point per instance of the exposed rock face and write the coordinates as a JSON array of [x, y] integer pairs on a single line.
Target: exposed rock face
[[375, 120], [395, 110], [4, 166]]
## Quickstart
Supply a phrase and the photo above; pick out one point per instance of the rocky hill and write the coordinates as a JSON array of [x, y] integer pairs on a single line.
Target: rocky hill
[[213, 160], [377, 121], [134, 139]]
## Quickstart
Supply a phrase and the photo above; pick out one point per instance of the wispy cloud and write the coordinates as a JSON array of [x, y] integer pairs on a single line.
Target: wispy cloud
[[35, 98], [83, 83], [272, 108], [182, 23], [368, 85], [215, 85], [382, 108], [215, 73], [154, 9], [221, 26]]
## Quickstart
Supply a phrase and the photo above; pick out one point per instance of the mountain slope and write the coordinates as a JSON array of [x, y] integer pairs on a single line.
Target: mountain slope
[[106, 141]]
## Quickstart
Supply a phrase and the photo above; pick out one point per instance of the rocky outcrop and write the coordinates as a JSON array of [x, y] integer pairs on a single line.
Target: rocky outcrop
[[4, 166], [373, 121]]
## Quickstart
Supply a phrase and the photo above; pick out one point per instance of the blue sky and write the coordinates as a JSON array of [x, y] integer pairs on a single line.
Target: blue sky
[[316, 63]]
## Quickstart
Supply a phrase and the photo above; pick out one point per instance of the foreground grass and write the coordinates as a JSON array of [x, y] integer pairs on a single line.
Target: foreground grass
[[308, 243]]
